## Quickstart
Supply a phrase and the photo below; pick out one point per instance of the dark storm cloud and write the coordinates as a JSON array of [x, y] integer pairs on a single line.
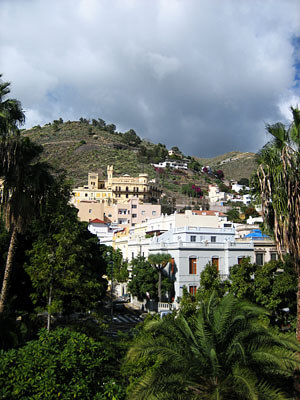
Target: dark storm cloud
[[203, 75]]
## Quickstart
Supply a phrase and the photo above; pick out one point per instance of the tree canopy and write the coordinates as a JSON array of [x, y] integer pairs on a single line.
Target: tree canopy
[[222, 352]]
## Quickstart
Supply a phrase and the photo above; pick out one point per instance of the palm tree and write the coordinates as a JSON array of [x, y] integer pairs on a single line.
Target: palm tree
[[159, 261], [11, 113], [25, 181], [25, 186], [278, 187], [222, 352]]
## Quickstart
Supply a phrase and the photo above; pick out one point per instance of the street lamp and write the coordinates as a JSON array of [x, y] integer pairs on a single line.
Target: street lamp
[[112, 290], [109, 254]]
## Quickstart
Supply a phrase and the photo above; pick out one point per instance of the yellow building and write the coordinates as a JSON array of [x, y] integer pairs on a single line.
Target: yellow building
[[116, 190]]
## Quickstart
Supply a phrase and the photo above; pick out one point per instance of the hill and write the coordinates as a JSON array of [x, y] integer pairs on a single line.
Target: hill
[[79, 147], [235, 165]]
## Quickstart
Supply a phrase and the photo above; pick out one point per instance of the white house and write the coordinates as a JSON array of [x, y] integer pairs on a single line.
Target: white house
[[192, 248], [103, 231], [176, 164], [237, 188]]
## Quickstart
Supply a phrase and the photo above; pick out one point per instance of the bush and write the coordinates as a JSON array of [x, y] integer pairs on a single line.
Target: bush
[[60, 364]]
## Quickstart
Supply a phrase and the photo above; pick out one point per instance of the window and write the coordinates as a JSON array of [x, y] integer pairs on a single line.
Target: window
[[86, 195], [133, 206], [227, 225], [132, 255], [126, 188], [109, 215], [143, 212], [273, 256], [193, 266], [215, 261], [90, 210], [153, 212], [193, 238], [240, 259], [259, 259], [213, 239], [134, 215], [193, 290], [126, 195]]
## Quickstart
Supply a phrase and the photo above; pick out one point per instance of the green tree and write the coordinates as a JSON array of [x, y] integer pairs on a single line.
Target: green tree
[[26, 185], [114, 259], [159, 261], [11, 113], [61, 364], [65, 264], [210, 282], [278, 188], [272, 286], [111, 128], [25, 180], [233, 215], [131, 138], [224, 352], [144, 280], [244, 182]]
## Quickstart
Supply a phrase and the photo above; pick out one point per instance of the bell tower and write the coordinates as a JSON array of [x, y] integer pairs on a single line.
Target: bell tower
[[110, 169]]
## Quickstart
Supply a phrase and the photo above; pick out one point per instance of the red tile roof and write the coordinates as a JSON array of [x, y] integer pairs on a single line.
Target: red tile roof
[[208, 212], [97, 221]]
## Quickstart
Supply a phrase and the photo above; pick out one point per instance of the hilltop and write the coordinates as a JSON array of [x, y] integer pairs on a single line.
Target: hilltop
[[80, 147]]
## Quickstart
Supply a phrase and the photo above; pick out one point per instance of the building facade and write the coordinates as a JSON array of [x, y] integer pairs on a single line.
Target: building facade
[[115, 190]]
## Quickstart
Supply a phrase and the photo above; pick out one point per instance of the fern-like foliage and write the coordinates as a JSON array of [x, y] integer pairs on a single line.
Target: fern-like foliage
[[222, 352]]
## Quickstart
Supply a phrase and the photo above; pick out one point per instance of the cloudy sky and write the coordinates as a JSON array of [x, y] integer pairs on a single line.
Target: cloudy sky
[[203, 75]]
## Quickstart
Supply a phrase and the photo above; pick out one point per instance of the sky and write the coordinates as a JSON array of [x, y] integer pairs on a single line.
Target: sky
[[203, 75]]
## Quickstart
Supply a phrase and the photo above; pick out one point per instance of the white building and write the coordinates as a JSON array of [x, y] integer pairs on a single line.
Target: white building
[[192, 248], [192, 240], [237, 188], [215, 195], [103, 231], [176, 164]]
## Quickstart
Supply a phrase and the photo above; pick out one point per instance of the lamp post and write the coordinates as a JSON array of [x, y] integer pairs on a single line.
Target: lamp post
[[111, 291], [109, 255]]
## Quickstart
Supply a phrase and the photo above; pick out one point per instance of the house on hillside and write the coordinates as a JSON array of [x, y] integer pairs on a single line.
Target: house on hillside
[[114, 190], [175, 164]]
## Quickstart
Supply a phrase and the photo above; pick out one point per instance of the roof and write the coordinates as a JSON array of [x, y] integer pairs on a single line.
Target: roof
[[97, 221], [256, 233], [208, 212]]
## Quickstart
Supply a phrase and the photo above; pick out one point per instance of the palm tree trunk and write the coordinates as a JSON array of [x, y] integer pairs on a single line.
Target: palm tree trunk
[[8, 269], [298, 309], [159, 285]]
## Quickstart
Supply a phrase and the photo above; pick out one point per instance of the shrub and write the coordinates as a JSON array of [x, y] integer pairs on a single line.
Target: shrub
[[60, 364]]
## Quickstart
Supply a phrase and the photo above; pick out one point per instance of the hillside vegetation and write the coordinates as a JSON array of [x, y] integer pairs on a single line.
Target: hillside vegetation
[[235, 165], [80, 147]]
